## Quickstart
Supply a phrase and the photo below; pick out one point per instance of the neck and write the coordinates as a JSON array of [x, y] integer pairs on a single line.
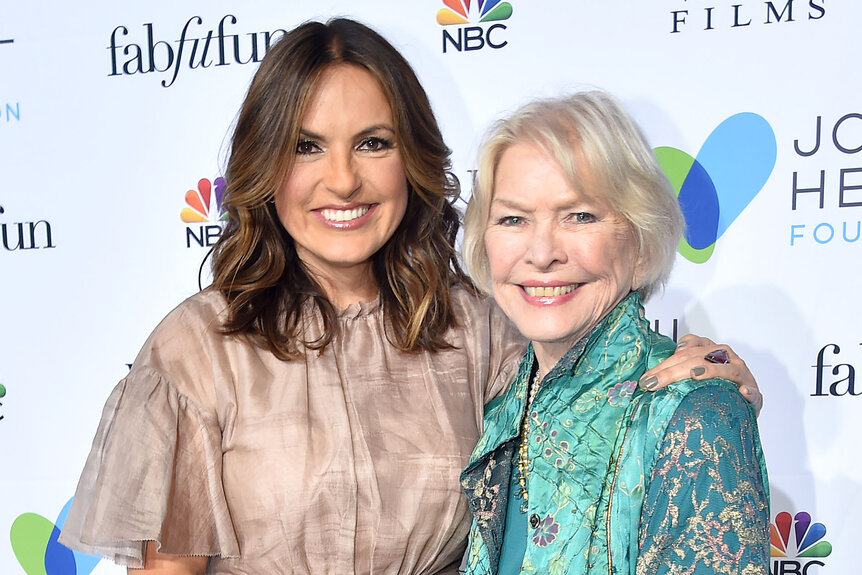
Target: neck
[[548, 354], [546, 358], [347, 286]]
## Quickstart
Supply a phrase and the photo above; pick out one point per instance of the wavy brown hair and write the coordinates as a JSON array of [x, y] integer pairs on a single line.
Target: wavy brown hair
[[255, 264]]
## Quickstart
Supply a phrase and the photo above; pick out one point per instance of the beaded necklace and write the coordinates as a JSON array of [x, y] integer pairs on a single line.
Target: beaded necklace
[[523, 449]]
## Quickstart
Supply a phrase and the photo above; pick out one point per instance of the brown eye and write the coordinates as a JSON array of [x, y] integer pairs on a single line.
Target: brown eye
[[304, 147], [375, 144]]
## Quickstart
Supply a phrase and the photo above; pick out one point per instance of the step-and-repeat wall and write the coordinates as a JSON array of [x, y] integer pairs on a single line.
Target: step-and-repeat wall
[[114, 124]]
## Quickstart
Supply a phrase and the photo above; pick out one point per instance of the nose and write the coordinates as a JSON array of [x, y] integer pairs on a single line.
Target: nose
[[545, 248], [342, 176]]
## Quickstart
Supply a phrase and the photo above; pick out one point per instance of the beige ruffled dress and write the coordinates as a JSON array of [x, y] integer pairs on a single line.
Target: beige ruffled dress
[[344, 462]]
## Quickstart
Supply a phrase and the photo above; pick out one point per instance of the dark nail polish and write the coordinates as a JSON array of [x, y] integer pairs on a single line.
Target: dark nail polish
[[648, 383]]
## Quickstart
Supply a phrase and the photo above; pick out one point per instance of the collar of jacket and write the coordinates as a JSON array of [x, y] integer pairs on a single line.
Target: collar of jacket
[[501, 427]]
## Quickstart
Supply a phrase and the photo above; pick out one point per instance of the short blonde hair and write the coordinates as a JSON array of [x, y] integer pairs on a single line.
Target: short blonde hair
[[603, 154]]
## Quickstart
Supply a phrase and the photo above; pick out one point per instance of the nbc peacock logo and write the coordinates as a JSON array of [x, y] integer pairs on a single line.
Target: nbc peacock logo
[[204, 207], [806, 547], [714, 188], [35, 544], [457, 13]]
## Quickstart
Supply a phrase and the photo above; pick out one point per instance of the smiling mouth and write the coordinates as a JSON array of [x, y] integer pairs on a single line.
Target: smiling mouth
[[545, 291], [344, 215]]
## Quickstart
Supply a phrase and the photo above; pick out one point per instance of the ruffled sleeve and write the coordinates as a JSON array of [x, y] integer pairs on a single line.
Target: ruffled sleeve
[[153, 473], [707, 508]]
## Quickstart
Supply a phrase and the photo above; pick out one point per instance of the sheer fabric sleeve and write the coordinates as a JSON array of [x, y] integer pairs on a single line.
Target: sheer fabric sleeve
[[153, 473], [706, 508], [507, 349]]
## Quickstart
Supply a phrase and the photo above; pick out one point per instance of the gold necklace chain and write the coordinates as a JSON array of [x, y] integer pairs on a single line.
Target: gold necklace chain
[[523, 449]]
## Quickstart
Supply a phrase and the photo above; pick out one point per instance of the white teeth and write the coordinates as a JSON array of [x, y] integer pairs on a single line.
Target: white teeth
[[344, 215], [549, 291]]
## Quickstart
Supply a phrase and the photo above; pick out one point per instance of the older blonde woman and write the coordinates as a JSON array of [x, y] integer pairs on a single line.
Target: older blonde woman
[[571, 226]]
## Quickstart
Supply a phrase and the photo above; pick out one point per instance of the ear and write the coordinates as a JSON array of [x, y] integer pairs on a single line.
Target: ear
[[638, 272]]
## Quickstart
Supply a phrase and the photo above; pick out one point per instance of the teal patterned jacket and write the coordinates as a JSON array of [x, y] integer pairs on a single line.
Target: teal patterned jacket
[[623, 482]]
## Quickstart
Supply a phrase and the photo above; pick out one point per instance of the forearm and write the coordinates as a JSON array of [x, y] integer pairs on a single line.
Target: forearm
[[156, 563]]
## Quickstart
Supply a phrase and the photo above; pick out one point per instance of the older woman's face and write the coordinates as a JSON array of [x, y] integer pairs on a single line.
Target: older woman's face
[[559, 260]]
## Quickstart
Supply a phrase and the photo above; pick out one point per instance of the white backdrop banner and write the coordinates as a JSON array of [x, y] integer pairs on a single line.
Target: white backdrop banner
[[114, 126]]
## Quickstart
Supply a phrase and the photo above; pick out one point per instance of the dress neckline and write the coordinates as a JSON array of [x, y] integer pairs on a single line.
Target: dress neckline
[[359, 309]]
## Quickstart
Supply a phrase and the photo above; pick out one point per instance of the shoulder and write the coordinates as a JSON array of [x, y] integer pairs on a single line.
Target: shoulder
[[195, 322], [708, 424], [467, 302], [695, 392], [712, 409], [203, 311], [714, 427], [480, 312], [489, 337], [186, 346], [713, 402]]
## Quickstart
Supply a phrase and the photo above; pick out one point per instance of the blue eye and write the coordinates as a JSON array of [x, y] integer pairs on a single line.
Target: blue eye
[[584, 217], [510, 221]]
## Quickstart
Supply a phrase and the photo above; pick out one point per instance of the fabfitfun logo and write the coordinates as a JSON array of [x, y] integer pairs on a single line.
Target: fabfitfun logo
[[196, 48], [806, 549], [35, 544], [714, 188], [204, 207], [469, 38], [25, 235], [837, 386]]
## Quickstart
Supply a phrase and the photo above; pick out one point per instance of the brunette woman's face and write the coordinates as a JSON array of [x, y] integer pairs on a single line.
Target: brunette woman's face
[[347, 191]]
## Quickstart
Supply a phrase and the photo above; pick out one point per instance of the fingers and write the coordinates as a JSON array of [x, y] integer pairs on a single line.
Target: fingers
[[691, 340], [684, 363], [688, 361]]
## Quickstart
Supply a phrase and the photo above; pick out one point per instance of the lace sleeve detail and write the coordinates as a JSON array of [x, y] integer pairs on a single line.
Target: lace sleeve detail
[[706, 509]]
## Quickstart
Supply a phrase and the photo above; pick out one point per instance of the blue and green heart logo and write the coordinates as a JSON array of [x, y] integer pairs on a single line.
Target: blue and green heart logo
[[714, 188], [34, 542]]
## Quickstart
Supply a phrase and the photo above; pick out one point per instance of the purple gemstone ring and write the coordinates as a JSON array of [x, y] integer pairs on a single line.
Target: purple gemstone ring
[[717, 356]]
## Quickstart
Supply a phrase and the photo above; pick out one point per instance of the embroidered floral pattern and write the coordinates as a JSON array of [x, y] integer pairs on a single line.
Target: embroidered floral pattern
[[621, 393], [483, 486], [707, 474], [547, 530]]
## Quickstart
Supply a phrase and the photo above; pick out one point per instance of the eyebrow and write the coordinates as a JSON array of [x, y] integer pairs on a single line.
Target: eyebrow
[[507, 203], [305, 133], [514, 205]]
